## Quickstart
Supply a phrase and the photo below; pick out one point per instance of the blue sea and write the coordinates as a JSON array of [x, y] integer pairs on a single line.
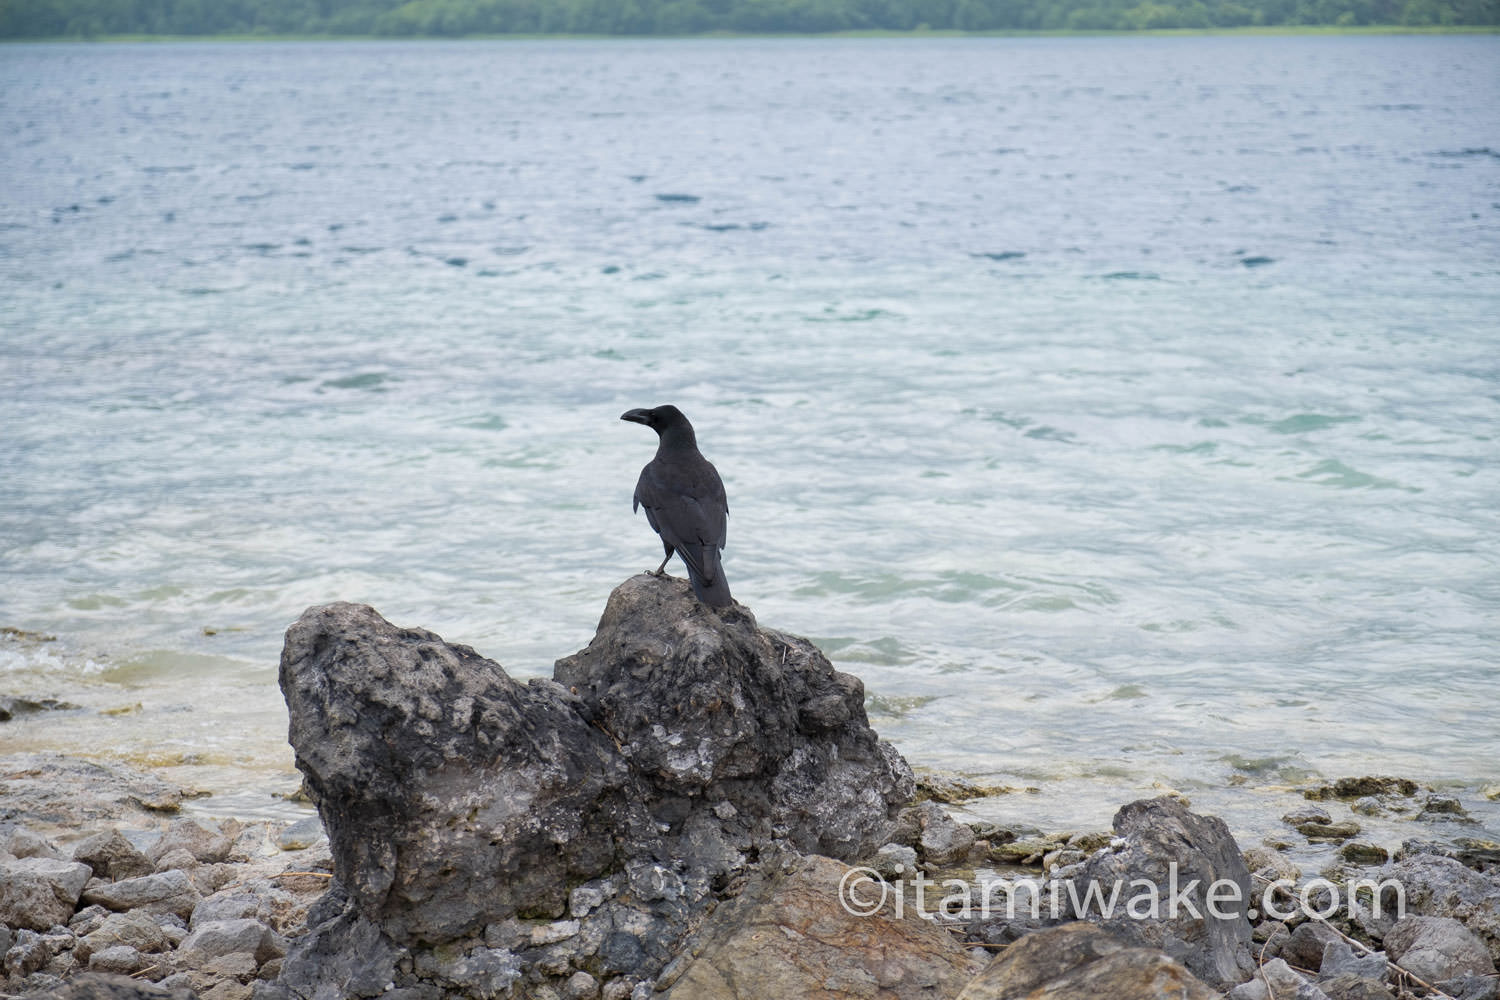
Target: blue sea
[[1123, 410]]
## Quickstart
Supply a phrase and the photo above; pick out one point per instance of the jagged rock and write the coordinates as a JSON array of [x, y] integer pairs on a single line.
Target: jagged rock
[[112, 856], [38, 893], [942, 841], [215, 938], [1437, 948], [791, 935], [205, 844], [1359, 853], [459, 802], [1442, 887], [28, 953], [1339, 960], [1309, 941], [1080, 961], [162, 892], [1169, 848], [136, 929]]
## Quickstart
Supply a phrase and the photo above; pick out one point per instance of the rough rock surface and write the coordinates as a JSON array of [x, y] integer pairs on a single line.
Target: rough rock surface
[[463, 807], [1165, 846], [1080, 961], [1436, 886], [790, 936], [1437, 948], [37, 893]]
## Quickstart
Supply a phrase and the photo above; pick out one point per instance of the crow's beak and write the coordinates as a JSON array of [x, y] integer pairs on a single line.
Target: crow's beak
[[637, 416]]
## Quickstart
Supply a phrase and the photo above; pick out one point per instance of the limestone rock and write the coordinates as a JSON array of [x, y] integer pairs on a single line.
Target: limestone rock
[[1442, 887], [1437, 948], [112, 856], [1165, 846], [163, 892], [38, 893], [1080, 961], [682, 744], [61, 792], [790, 936]]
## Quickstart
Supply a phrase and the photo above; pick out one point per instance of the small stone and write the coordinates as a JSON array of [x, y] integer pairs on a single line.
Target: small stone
[[177, 858], [207, 844], [1329, 832], [27, 953], [240, 966], [38, 893], [227, 905], [1367, 805], [301, 835], [225, 937], [1360, 853], [942, 840], [1271, 865], [134, 929], [552, 933], [120, 959], [1339, 960], [112, 856], [1438, 807], [895, 861], [585, 899], [1305, 948], [1306, 814], [162, 892], [580, 986]]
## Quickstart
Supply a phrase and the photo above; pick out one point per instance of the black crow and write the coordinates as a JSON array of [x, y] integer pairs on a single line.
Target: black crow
[[684, 501]]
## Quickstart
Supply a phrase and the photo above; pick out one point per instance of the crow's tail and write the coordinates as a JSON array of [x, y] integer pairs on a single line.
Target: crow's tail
[[706, 575]]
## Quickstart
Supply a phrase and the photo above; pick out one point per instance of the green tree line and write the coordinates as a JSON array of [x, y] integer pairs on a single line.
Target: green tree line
[[451, 18]]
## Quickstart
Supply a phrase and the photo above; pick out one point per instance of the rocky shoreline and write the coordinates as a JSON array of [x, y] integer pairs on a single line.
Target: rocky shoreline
[[694, 807]]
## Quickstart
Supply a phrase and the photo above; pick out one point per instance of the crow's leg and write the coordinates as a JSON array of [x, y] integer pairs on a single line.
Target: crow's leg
[[661, 570]]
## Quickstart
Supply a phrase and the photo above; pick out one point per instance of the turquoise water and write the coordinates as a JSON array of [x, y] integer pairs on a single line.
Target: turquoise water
[[1123, 411]]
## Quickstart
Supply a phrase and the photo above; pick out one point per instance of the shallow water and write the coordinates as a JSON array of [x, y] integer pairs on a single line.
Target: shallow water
[[1123, 411]]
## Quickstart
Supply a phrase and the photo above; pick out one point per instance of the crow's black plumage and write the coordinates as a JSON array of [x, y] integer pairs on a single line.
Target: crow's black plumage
[[684, 501]]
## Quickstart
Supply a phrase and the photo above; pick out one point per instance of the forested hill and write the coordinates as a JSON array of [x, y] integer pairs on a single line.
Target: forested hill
[[84, 18]]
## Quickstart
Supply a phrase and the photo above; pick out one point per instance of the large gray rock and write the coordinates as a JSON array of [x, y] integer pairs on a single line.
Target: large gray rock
[[1081, 961], [1436, 886], [463, 806], [37, 893], [1437, 948], [216, 938], [1171, 855]]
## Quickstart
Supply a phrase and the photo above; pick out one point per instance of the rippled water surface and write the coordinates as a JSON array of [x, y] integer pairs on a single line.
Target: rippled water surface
[[1123, 411]]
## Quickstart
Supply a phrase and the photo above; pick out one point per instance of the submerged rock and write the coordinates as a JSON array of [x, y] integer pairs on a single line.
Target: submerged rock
[[462, 806]]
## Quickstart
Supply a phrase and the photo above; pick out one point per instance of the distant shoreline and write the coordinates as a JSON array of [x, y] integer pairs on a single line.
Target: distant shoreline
[[1257, 30]]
